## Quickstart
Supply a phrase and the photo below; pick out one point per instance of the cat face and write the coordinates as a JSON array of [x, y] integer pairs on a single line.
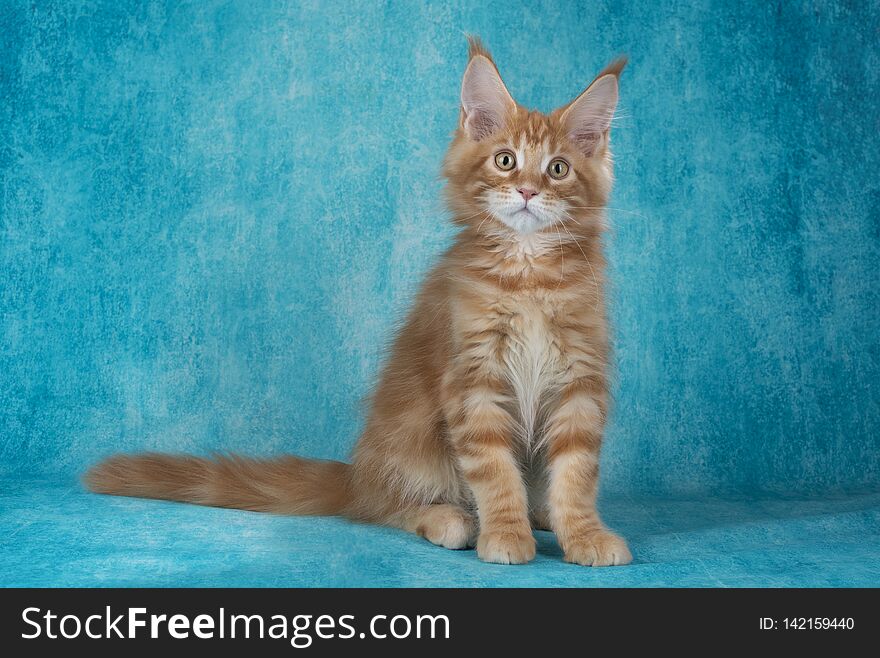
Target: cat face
[[530, 177], [524, 172]]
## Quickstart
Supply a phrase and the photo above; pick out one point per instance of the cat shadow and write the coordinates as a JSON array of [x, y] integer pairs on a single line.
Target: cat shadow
[[646, 518], [645, 521]]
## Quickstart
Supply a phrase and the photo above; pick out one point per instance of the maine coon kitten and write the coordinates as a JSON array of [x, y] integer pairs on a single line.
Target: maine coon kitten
[[489, 415]]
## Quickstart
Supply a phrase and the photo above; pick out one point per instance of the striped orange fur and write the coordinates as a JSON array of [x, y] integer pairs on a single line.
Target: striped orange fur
[[489, 414]]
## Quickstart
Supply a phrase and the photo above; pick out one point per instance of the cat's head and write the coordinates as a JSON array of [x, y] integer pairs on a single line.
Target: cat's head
[[518, 171]]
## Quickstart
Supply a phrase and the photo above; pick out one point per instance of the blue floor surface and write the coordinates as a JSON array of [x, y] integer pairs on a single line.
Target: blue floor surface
[[55, 534]]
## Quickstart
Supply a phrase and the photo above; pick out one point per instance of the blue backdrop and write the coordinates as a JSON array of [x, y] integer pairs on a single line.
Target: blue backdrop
[[213, 212]]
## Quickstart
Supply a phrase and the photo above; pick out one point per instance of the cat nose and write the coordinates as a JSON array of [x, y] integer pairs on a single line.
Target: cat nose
[[527, 193]]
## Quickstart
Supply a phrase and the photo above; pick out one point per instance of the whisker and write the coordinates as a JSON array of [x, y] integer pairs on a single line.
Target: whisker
[[476, 214], [561, 255], [592, 271], [611, 208]]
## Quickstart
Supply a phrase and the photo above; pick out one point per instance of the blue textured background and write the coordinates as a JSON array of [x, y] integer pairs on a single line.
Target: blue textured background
[[213, 212]]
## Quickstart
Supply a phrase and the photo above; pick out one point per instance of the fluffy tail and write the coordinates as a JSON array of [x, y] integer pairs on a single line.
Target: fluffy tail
[[287, 485]]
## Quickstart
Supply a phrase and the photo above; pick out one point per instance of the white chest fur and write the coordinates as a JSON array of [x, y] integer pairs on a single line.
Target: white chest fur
[[533, 363]]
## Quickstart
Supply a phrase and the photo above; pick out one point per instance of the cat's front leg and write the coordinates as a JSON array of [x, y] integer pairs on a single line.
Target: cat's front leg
[[482, 435], [574, 435]]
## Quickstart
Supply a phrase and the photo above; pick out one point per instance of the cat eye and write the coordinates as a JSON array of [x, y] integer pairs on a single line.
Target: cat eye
[[505, 160], [558, 169]]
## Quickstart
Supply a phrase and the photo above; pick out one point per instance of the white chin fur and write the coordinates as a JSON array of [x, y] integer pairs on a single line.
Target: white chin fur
[[522, 221]]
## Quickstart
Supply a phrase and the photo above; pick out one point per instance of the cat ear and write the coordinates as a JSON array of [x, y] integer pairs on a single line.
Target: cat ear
[[587, 119], [485, 101]]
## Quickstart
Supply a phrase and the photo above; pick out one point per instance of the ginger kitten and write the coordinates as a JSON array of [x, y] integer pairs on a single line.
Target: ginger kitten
[[488, 418]]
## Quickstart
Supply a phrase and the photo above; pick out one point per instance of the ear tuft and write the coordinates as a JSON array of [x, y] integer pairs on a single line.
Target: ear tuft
[[615, 68], [476, 47], [485, 101]]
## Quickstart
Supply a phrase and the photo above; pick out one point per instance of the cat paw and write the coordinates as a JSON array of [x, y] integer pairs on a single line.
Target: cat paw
[[506, 547], [448, 526], [599, 548]]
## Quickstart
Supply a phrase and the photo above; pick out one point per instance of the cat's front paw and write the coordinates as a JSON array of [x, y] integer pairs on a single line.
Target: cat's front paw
[[506, 546], [598, 548]]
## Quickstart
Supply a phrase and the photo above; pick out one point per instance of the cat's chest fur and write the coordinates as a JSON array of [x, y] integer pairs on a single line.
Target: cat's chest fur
[[533, 360]]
